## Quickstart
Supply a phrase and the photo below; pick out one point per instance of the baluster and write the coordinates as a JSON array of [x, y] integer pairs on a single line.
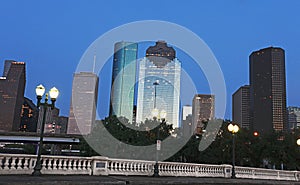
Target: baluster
[[121, 166], [126, 166], [13, 163], [88, 166], [70, 164], [19, 165], [166, 168], [44, 163], [117, 166], [1, 162], [65, 164], [55, 163], [109, 165], [143, 167], [26, 163], [48, 164], [76, 164], [85, 165], [140, 167], [130, 166], [131, 169], [6, 163], [59, 164], [79, 166]]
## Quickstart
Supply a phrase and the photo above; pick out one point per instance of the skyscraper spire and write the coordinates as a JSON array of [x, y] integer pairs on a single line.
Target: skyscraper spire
[[94, 64]]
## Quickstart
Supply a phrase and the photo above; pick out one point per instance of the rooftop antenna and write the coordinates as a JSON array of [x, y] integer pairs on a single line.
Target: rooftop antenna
[[94, 64]]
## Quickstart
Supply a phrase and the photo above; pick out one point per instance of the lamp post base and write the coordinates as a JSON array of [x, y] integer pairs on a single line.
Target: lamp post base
[[36, 173], [37, 168], [156, 171], [233, 173]]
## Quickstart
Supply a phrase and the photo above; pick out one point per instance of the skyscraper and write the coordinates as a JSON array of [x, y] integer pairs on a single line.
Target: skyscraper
[[241, 106], [186, 122], [268, 90], [186, 110], [51, 119], [29, 116], [83, 103], [123, 80], [12, 85], [293, 117], [160, 66], [203, 110]]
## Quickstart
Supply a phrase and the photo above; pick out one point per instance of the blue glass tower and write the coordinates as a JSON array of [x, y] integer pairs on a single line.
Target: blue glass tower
[[123, 80]]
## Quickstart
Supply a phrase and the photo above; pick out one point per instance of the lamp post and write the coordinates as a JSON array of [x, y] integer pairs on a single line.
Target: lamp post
[[40, 90], [155, 84], [233, 128], [158, 116], [298, 142]]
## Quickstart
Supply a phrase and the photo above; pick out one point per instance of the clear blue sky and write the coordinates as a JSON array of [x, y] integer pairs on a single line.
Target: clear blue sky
[[51, 36]]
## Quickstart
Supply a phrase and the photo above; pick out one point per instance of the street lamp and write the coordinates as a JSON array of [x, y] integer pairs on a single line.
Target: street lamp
[[233, 128], [298, 142], [40, 90], [160, 116]]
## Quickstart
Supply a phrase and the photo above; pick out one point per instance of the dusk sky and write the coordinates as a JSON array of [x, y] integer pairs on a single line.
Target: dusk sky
[[51, 36]]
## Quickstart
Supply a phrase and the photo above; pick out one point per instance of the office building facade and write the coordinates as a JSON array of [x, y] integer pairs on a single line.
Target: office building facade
[[203, 111], [162, 67], [51, 119], [123, 80], [293, 117], [186, 111], [12, 86], [29, 116], [83, 103], [241, 107], [268, 110]]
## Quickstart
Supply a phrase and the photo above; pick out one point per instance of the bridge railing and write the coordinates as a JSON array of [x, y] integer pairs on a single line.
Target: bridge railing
[[261, 173], [24, 164], [69, 165], [194, 170]]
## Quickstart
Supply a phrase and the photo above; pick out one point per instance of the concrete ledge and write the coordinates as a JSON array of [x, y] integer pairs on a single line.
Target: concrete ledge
[[135, 180]]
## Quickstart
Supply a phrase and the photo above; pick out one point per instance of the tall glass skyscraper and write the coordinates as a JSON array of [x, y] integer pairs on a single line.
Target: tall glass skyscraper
[[123, 80], [160, 66]]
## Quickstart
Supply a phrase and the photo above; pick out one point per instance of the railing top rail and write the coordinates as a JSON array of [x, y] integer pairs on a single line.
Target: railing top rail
[[194, 164], [16, 155], [263, 169], [130, 160]]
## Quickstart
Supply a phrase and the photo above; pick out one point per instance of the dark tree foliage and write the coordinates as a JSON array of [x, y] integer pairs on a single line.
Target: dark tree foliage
[[273, 150], [134, 135]]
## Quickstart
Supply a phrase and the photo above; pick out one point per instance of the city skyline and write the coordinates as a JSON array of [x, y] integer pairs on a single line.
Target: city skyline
[[247, 19]]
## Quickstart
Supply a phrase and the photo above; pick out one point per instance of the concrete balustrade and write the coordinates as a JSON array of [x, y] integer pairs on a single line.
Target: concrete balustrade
[[193, 170], [261, 173], [66, 165], [98, 165]]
